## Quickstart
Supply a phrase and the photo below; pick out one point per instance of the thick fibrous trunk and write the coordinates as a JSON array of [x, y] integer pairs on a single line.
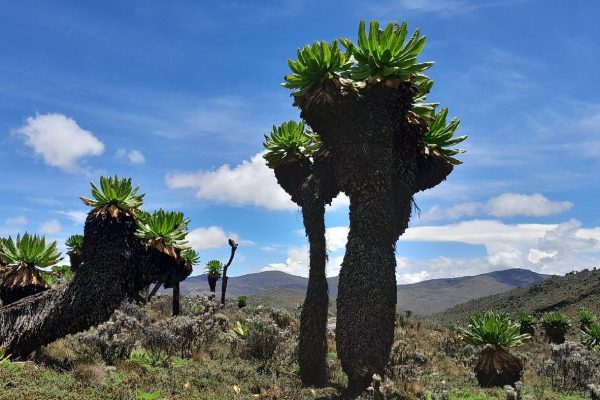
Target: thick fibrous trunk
[[116, 265], [75, 260], [176, 299], [497, 367], [212, 283], [312, 346], [359, 131]]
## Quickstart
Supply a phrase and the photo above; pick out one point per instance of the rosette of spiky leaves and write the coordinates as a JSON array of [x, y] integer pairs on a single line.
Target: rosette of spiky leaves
[[586, 317], [493, 329], [191, 257], [384, 53], [115, 194], [214, 268], [290, 140], [591, 336], [29, 250], [3, 262], [163, 227], [74, 243], [556, 320], [526, 319], [421, 108], [315, 65], [440, 137]]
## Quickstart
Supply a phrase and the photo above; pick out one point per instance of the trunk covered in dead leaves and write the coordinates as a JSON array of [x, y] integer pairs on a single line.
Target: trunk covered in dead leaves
[[497, 367], [116, 266]]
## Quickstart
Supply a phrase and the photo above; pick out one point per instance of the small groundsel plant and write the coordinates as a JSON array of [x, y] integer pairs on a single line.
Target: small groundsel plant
[[590, 336], [556, 326], [496, 333], [114, 194], [242, 301], [585, 317], [526, 324], [214, 268]]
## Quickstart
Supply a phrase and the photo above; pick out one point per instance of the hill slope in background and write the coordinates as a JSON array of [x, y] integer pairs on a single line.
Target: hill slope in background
[[276, 288], [563, 293]]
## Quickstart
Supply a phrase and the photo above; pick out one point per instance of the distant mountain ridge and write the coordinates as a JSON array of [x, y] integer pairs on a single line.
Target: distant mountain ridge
[[562, 293], [427, 297]]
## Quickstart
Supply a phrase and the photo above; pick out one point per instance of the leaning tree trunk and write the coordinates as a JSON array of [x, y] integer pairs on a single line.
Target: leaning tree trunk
[[359, 130], [116, 266]]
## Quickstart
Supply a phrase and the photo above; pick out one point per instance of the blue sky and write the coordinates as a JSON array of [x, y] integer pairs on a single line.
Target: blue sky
[[178, 96]]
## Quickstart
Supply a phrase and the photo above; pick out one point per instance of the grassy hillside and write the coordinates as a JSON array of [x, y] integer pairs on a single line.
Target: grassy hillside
[[563, 293]]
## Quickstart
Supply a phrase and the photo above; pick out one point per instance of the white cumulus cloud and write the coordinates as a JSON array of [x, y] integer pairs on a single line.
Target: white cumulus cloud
[[59, 140], [208, 238], [249, 183]]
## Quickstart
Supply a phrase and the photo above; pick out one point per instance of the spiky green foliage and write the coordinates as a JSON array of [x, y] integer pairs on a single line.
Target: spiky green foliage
[[166, 227], [214, 268], [526, 319], [316, 64], [421, 108], [31, 250], [290, 140], [242, 301], [440, 137], [58, 275], [116, 192], [74, 243], [591, 336], [191, 257], [384, 53], [585, 317], [556, 320], [493, 329], [241, 329]]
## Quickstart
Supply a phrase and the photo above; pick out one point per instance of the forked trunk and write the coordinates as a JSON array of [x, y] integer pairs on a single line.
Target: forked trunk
[[497, 367], [116, 266], [359, 131], [312, 346]]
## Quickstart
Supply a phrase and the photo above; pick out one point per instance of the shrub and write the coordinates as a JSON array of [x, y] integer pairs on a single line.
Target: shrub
[[570, 368], [262, 339], [90, 374]]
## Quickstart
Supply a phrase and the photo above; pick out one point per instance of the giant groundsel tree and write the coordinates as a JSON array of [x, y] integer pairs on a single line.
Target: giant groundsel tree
[[116, 265], [302, 169], [384, 143]]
